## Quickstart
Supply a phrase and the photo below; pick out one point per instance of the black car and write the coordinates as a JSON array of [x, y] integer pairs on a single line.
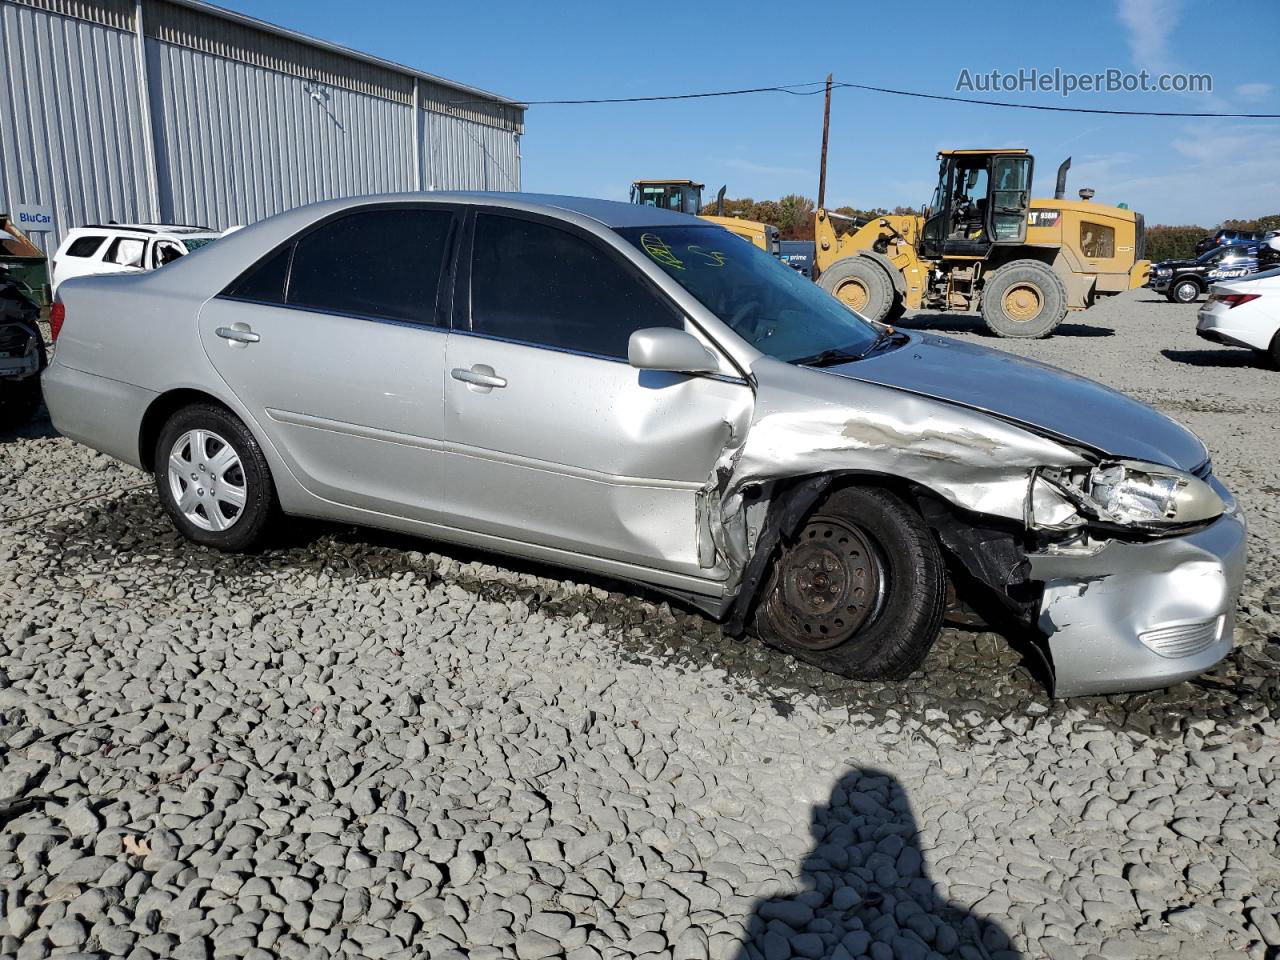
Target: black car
[[1225, 238], [22, 354], [1183, 281]]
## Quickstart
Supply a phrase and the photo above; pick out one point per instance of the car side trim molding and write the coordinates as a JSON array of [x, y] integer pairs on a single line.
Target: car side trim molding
[[460, 449], [353, 429]]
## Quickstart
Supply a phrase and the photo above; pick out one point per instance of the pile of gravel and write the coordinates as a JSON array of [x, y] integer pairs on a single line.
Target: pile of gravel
[[353, 746]]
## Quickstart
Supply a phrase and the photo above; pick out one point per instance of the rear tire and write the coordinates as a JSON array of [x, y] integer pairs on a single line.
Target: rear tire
[[1274, 350], [213, 480], [859, 591], [1024, 299], [861, 285], [1185, 291]]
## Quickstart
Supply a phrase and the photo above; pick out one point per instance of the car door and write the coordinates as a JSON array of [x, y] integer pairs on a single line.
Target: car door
[[554, 438], [335, 344]]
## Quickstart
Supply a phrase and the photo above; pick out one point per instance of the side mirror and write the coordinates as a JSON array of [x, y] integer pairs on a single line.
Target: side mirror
[[665, 348]]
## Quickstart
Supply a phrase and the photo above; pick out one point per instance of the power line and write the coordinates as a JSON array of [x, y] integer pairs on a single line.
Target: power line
[[797, 90], [1037, 106]]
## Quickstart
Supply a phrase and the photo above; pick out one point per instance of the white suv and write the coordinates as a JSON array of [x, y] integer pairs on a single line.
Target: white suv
[[124, 248]]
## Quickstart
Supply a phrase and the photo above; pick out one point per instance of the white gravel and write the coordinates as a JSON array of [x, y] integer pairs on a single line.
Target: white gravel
[[352, 746]]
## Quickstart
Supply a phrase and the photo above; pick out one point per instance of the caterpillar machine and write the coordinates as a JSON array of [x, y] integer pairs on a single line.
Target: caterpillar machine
[[685, 196], [984, 245]]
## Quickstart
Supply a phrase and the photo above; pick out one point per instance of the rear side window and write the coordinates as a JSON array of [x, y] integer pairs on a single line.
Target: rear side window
[[265, 281], [126, 251], [84, 246], [383, 263], [538, 284]]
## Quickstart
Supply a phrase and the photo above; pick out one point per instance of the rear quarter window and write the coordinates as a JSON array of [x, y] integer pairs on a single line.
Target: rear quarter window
[[84, 246]]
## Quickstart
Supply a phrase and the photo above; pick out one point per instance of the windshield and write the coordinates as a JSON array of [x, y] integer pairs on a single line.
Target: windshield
[[764, 301]]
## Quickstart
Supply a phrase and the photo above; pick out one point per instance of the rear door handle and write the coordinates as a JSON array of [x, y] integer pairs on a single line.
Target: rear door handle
[[481, 375], [239, 334]]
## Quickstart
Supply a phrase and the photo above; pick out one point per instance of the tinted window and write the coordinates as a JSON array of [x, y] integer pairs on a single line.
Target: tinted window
[[539, 284], [84, 246], [265, 281], [383, 263]]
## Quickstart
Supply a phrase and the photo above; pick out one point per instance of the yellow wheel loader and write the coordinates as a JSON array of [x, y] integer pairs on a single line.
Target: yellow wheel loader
[[685, 196], [982, 244]]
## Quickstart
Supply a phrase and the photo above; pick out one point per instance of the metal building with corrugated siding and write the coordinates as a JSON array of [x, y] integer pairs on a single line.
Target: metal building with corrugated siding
[[177, 111]]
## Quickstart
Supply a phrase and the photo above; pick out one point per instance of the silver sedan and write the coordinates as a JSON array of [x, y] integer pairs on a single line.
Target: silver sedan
[[637, 393]]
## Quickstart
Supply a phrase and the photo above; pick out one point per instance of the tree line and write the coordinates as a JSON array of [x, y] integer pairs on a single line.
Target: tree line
[[793, 216]]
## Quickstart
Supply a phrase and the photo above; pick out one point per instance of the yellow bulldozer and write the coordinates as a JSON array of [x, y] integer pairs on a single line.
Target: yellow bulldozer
[[983, 244], [685, 196]]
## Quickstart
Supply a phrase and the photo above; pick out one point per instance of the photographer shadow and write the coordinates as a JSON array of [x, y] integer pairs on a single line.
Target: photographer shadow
[[868, 890]]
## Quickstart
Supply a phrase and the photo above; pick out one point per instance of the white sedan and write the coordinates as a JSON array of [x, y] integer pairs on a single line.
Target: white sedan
[[1244, 313]]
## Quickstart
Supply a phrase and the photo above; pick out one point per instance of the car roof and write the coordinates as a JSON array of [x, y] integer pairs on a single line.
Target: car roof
[[611, 213], [150, 228]]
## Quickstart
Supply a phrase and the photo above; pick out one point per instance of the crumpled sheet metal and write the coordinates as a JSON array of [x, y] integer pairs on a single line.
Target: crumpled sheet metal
[[1095, 606], [969, 458]]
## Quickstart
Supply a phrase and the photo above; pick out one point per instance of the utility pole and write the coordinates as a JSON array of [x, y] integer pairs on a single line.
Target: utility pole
[[822, 169]]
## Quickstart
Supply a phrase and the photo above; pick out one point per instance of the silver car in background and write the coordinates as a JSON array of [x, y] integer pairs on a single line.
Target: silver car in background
[[637, 393]]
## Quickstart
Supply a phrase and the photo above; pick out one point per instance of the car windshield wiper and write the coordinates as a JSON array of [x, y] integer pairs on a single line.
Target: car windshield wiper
[[883, 337], [828, 358]]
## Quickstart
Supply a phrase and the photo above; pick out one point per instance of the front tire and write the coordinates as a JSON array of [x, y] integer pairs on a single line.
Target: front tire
[[1024, 299], [861, 285], [859, 591], [213, 480], [1185, 291]]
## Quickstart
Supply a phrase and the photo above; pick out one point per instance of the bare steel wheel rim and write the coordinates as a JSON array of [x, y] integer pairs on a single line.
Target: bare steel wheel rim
[[853, 294], [829, 585], [1023, 302], [1187, 292], [206, 480]]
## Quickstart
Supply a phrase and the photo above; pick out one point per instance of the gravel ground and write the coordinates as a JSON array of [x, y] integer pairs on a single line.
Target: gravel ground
[[353, 746]]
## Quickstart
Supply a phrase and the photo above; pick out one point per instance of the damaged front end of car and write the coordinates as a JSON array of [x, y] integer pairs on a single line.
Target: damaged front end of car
[[1125, 572]]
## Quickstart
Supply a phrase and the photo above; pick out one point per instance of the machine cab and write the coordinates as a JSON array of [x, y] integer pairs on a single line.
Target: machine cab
[[982, 199], [682, 196]]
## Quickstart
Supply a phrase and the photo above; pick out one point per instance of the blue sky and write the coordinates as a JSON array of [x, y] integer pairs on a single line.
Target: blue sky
[[882, 147]]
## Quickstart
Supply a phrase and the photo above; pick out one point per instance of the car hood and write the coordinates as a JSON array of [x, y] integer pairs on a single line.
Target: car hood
[[1033, 394], [1174, 264]]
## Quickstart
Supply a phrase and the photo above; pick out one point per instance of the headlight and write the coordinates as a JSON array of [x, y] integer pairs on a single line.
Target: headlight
[[1164, 271], [1135, 494]]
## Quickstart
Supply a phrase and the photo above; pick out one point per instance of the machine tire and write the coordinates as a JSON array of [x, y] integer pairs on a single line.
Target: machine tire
[[1184, 291], [1024, 298], [860, 284], [1274, 350], [896, 310], [880, 602], [250, 476]]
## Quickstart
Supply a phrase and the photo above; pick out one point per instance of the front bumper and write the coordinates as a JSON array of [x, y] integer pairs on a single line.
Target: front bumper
[[1142, 615], [1160, 284]]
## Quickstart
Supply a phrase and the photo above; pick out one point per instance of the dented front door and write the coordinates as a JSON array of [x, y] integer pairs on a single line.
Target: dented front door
[[554, 438], [583, 453]]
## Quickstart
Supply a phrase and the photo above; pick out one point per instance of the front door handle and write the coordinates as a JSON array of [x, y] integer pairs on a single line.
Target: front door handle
[[238, 334], [480, 377]]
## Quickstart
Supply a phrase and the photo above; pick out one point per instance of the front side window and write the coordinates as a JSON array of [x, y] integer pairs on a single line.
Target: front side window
[[1097, 241], [167, 252], [765, 302], [535, 283], [383, 264]]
